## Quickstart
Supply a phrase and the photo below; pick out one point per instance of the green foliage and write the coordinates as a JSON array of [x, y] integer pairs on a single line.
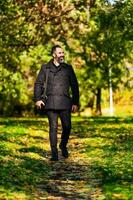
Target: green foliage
[[95, 35], [103, 45]]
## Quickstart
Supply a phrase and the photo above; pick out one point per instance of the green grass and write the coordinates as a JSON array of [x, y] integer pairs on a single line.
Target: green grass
[[100, 165]]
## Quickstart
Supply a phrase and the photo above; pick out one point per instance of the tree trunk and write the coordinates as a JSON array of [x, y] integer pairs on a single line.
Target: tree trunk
[[98, 102], [91, 104]]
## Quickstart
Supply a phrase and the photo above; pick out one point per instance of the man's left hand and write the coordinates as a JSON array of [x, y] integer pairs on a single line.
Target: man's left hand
[[74, 108]]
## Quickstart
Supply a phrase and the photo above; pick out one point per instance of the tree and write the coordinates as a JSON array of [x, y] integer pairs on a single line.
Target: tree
[[105, 43], [26, 26], [95, 34]]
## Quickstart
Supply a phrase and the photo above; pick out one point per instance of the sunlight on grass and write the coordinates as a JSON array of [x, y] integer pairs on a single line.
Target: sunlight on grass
[[99, 167], [109, 146]]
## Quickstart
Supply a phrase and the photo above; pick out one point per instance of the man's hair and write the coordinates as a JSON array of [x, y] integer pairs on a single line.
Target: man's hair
[[54, 48]]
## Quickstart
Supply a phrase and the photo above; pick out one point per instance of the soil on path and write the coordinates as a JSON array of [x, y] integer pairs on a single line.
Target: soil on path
[[71, 178]]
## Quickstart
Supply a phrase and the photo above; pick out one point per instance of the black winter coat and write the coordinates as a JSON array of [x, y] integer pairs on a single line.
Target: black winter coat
[[60, 80]]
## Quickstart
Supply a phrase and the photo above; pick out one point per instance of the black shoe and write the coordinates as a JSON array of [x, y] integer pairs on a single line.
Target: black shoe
[[54, 157], [64, 151]]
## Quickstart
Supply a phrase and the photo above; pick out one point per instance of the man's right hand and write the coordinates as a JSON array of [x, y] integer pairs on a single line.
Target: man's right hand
[[39, 104]]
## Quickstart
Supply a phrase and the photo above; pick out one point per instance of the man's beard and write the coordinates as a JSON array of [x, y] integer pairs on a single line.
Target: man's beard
[[61, 60]]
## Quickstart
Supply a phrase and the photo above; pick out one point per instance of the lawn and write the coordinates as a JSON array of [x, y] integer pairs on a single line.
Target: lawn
[[100, 165]]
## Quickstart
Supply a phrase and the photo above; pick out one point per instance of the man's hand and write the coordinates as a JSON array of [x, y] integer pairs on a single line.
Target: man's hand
[[39, 104], [74, 108]]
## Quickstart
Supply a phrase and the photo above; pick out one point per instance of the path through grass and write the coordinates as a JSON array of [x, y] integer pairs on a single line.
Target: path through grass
[[100, 165]]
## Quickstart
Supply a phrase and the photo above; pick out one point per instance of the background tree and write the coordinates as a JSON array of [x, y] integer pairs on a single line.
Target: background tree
[[105, 42], [95, 34]]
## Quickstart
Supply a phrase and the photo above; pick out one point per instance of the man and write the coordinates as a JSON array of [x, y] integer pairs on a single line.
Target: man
[[61, 78]]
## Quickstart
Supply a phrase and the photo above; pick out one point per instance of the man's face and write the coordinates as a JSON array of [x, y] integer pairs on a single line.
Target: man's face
[[59, 55]]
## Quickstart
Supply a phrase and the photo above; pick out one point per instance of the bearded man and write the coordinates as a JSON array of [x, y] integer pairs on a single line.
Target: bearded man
[[61, 79]]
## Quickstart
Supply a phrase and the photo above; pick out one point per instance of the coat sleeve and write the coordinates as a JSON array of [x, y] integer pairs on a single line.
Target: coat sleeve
[[74, 87], [39, 84]]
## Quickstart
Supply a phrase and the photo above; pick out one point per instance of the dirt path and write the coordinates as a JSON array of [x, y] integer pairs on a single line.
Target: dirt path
[[71, 178]]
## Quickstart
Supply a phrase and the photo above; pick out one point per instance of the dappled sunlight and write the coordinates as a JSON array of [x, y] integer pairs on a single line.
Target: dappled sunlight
[[99, 166]]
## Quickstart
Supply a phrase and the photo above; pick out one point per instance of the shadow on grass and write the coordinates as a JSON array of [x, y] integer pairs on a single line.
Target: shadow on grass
[[34, 175], [39, 177], [114, 120], [33, 149], [22, 174], [36, 123], [98, 127], [21, 168]]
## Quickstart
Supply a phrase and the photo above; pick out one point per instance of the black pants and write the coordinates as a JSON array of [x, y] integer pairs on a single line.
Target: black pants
[[65, 116]]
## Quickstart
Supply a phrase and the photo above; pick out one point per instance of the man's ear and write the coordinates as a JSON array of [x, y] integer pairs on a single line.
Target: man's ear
[[54, 55]]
